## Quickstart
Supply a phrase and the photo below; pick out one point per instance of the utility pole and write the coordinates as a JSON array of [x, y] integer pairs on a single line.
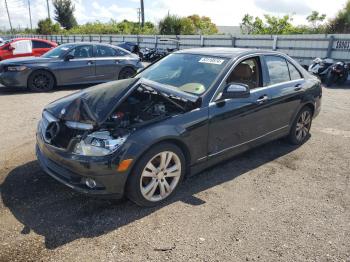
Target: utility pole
[[8, 15], [142, 14], [48, 9], [30, 16], [139, 15]]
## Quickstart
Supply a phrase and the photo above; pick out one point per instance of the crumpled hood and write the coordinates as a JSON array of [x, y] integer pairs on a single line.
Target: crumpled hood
[[92, 105], [95, 104], [28, 60]]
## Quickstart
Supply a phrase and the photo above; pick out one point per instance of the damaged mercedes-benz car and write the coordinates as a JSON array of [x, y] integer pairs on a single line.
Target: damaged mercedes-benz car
[[142, 136]]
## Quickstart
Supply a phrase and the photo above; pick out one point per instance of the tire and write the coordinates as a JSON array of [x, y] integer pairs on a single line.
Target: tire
[[301, 127], [147, 188], [41, 81], [126, 72]]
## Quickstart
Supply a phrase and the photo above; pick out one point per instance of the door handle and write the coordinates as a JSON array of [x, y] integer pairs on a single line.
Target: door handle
[[298, 87], [117, 61], [90, 62], [262, 99]]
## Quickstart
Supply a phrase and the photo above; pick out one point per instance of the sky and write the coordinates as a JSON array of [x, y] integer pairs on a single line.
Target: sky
[[222, 12]]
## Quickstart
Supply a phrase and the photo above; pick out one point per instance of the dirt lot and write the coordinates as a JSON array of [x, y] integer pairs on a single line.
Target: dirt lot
[[275, 203]]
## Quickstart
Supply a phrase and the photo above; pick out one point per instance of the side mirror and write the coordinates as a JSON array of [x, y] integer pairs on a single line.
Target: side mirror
[[68, 57], [236, 90], [11, 48]]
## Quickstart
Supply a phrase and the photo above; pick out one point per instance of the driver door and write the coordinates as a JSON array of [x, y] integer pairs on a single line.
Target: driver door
[[237, 122]]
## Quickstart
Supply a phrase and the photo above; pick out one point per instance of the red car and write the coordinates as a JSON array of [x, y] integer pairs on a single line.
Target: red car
[[20, 47]]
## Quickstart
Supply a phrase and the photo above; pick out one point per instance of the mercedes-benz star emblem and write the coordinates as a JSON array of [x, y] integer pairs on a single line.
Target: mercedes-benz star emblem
[[51, 131]]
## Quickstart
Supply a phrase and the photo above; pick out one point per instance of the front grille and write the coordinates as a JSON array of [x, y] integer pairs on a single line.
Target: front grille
[[63, 137]]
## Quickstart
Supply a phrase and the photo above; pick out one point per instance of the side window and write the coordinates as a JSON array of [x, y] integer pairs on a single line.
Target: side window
[[40, 44], [247, 72], [105, 51], [83, 51], [294, 72], [120, 52], [278, 69]]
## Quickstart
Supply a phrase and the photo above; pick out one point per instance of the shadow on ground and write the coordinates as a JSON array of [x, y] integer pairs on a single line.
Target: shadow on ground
[[7, 91], [50, 209]]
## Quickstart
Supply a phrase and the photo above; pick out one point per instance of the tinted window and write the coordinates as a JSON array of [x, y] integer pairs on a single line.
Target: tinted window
[[294, 72], [105, 51], [40, 44], [82, 51], [278, 69], [247, 72]]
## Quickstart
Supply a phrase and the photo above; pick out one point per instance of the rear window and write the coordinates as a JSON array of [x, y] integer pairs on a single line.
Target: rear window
[[278, 69], [40, 44]]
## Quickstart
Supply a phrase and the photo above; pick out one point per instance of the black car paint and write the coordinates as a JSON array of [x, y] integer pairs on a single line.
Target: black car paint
[[217, 130]]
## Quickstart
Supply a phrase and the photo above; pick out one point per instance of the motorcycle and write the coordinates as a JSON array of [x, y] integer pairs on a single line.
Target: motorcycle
[[329, 72]]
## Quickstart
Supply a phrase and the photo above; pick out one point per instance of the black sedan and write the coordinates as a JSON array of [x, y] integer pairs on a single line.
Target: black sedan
[[70, 64], [142, 136]]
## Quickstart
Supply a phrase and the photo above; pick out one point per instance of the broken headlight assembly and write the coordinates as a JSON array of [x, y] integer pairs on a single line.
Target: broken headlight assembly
[[99, 143]]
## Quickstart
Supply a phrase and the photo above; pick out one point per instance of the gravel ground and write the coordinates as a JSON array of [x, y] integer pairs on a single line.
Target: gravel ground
[[275, 203]]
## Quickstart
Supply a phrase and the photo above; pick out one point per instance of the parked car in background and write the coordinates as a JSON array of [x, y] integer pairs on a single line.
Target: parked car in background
[[20, 47], [189, 111], [70, 64]]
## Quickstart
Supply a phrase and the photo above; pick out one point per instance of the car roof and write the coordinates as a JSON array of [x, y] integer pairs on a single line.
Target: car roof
[[227, 52], [28, 38]]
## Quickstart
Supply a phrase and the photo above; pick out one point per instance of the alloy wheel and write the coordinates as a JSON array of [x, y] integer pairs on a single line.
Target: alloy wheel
[[303, 125], [160, 176], [41, 81]]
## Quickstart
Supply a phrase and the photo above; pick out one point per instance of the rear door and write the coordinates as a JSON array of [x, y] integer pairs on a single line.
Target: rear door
[[109, 61], [40, 47], [80, 69], [286, 85]]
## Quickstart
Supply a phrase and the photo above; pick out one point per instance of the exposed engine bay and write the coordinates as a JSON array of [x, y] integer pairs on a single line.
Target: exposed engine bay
[[142, 107]]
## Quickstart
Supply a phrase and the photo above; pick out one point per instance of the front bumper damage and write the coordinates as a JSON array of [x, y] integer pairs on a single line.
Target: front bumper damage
[[72, 170]]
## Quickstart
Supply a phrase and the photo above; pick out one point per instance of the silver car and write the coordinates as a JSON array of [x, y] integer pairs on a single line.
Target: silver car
[[70, 64]]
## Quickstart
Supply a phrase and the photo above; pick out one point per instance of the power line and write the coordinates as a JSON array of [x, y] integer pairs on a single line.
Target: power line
[[8, 15]]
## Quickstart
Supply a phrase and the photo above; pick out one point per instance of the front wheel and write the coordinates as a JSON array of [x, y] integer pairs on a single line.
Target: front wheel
[[301, 127], [41, 81], [157, 175]]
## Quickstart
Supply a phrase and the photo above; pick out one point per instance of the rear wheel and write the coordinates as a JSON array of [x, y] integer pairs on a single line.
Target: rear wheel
[[156, 175], [301, 127], [127, 72], [41, 81]]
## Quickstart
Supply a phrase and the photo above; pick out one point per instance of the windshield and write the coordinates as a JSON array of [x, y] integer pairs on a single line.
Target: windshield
[[58, 51], [4, 42], [188, 72]]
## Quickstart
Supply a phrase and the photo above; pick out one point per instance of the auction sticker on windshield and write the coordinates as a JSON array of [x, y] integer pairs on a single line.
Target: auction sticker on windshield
[[211, 60]]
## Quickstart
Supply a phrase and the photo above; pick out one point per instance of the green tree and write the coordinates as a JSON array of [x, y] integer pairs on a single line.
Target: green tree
[[170, 25], [203, 25], [194, 24], [64, 13], [46, 27], [341, 23], [315, 18]]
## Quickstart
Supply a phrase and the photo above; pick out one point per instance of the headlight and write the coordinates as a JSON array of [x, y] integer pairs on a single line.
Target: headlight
[[99, 144], [16, 68]]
